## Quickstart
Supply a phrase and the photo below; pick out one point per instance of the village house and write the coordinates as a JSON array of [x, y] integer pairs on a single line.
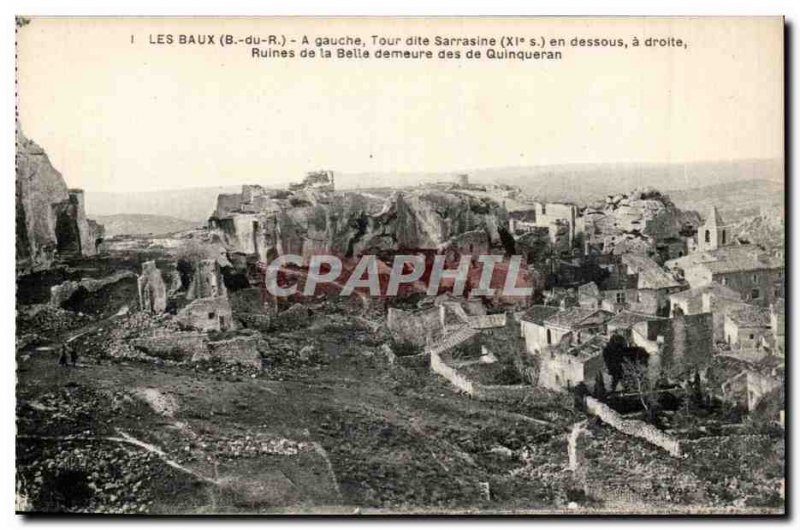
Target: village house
[[745, 383], [761, 383], [623, 322], [675, 345], [613, 290], [757, 276], [747, 327], [654, 285], [574, 360], [714, 299], [543, 327]]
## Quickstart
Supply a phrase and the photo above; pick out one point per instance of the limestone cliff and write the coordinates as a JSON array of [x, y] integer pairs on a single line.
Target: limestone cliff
[[350, 223], [50, 217]]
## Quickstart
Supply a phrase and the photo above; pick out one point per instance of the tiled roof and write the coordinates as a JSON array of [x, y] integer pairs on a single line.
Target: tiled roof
[[575, 316], [651, 275], [487, 321], [736, 258], [539, 313], [627, 319], [590, 347], [718, 290], [749, 315], [589, 289], [714, 219]]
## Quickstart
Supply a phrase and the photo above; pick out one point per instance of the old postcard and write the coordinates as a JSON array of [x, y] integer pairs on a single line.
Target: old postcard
[[400, 265]]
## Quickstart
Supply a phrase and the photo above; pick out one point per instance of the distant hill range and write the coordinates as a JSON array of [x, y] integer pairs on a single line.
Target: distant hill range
[[580, 183], [143, 224], [584, 183], [735, 200], [189, 204]]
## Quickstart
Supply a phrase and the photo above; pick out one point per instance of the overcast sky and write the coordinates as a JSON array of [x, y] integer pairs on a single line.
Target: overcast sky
[[116, 116]]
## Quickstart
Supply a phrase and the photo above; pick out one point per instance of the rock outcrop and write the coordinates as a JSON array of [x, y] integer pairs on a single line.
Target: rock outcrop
[[62, 293], [306, 222], [643, 222], [50, 218]]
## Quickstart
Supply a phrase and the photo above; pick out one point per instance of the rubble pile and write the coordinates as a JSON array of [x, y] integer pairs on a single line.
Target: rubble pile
[[251, 446], [47, 320], [65, 463], [233, 372], [116, 341], [86, 477]]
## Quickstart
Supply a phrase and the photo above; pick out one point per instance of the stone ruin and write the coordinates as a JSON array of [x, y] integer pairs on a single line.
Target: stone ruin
[[209, 309], [315, 180], [51, 219], [207, 281], [152, 289]]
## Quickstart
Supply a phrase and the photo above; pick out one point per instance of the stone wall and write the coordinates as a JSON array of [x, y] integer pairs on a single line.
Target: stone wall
[[179, 346], [237, 350], [451, 374], [502, 393], [207, 281], [207, 314], [636, 428], [414, 361]]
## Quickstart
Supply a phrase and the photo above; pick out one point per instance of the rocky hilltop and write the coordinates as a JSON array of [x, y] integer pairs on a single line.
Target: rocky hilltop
[[50, 218], [644, 221], [307, 221]]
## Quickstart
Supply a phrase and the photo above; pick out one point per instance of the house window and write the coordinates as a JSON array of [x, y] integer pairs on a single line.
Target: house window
[[212, 315], [549, 337], [755, 278], [755, 293], [558, 380], [724, 237], [708, 236], [752, 336], [724, 281], [544, 209], [620, 297]]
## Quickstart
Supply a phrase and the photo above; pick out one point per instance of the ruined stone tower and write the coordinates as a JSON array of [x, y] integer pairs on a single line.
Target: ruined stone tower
[[152, 290], [714, 233], [207, 281]]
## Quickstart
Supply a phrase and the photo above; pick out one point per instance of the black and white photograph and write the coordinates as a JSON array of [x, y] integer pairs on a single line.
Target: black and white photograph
[[391, 266]]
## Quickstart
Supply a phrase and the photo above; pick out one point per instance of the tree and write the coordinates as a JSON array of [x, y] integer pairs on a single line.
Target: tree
[[579, 393], [636, 378], [696, 391], [600, 392], [613, 355]]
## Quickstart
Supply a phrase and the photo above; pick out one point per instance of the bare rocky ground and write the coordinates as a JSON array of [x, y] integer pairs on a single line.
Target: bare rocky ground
[[328, 426]]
